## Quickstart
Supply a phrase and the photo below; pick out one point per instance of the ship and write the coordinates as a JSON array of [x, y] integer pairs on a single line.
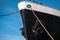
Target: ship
[[40, 22]]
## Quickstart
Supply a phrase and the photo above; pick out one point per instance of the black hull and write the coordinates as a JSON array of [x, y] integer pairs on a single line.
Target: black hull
[[51, 22]]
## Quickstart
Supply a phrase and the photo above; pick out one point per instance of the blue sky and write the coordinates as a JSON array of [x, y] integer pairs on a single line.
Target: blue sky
[[10, 25]]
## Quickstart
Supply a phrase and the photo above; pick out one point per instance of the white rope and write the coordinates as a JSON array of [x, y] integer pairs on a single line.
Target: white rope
[[42, 24]]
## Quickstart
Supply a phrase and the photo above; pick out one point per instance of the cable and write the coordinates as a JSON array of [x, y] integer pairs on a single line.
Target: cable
[[24, 25], [42, 24], [8, 14]]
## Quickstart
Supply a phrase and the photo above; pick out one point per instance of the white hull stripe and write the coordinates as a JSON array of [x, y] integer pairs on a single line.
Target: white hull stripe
[[39, 8]]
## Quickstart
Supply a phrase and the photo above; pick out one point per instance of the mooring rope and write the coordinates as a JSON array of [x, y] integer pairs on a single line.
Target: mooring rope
[[42, 24]]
